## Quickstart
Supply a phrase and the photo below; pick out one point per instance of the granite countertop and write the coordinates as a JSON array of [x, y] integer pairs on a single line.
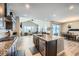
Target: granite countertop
[[49, 37], [5, 45]]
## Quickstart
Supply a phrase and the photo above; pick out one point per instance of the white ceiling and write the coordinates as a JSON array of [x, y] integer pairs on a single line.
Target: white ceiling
[[45, 11]]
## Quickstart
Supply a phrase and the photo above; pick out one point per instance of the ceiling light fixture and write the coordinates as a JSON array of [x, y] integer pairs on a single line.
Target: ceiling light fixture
[[71, 7], [27, 6]]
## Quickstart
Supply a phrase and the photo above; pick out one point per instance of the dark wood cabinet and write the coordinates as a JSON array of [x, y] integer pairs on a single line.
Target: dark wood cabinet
[[51, 48], [42, 47], [36, 42], [46, 48], [8, 24]]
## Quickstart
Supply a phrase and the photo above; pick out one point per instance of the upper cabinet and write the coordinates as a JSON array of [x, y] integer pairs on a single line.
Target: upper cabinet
[[2, 10]]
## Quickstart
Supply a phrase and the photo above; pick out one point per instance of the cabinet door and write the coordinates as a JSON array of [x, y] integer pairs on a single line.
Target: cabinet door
[[12, 50], [9, 52], [34, 39], [51, 48], [42, 47], [37, 43]]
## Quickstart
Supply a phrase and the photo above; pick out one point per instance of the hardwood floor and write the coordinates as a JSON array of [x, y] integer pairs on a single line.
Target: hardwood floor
[[71, 48], [25, 43]]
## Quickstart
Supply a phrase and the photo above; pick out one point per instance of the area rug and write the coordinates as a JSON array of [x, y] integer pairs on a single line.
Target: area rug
[[33, 50]]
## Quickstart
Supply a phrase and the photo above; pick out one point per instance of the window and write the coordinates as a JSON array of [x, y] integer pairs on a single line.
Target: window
[[39, 29], [42, 29], [45, 29], [1, 22], [24, 28], [55, 29], [29, 29]]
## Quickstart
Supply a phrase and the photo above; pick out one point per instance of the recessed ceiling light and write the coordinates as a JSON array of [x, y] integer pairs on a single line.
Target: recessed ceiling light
[[54, 15], [27, 6], [25, 15], [71, 7]]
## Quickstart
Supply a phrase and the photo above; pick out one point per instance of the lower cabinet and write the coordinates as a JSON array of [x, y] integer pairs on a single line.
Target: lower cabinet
[[42, 47], [36, 42], [9, 52], [12, 50], [51, 48], [46, 48]]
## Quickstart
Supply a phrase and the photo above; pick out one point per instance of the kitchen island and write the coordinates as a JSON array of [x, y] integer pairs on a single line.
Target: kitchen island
[[48, 45]]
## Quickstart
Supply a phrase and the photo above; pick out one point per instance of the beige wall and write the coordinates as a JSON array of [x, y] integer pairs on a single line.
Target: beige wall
[[1, 9], [74, 25]]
